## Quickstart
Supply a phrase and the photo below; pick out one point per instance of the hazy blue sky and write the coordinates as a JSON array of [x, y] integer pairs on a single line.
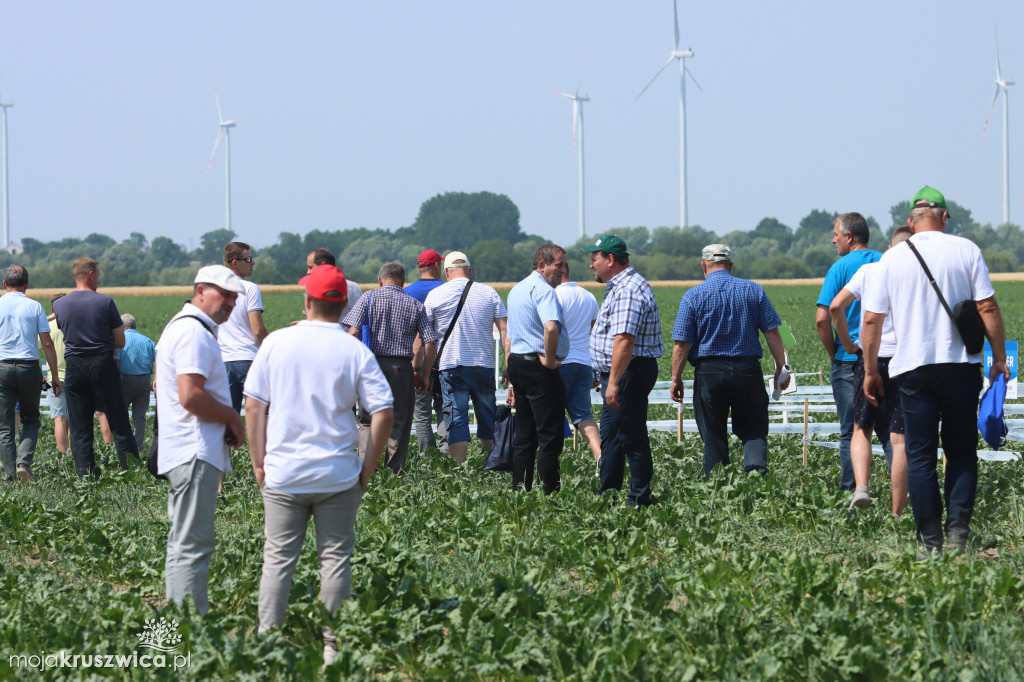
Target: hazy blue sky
[[352, 114]]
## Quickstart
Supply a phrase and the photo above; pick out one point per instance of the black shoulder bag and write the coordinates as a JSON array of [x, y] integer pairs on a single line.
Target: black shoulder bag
[[435, 380], [152, 460], [964, 314]]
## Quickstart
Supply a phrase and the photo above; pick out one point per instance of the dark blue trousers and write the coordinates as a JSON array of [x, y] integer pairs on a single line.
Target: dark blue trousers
[[927, 394], [624, 432]]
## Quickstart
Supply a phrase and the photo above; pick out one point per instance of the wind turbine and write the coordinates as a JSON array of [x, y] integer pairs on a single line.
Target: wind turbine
[[225, 132], [1005, 84], [681, 56], [577, 123], [4, 106]]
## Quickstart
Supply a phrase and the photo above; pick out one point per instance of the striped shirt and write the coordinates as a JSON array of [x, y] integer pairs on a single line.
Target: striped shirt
[[138, 355], [395, 319], [531, 303], [721, 317], [629, 308], [472, 341]]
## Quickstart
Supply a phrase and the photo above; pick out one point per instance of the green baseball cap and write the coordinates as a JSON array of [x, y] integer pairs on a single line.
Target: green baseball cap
[[609, 243], [928, 197]]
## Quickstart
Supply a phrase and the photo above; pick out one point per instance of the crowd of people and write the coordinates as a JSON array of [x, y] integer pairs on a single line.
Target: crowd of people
[[332, 397]]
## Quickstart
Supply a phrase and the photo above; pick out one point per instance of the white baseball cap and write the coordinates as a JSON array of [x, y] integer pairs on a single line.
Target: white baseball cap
[[220, 276], [449, 260]]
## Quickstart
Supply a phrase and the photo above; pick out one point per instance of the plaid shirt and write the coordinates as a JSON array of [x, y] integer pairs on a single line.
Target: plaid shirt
[[395, 319], [721, 317], [629, 308]]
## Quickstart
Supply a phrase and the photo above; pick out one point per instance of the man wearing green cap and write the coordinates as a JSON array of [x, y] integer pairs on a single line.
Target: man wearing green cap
[[625, 345], [937, 377], [850, 236]]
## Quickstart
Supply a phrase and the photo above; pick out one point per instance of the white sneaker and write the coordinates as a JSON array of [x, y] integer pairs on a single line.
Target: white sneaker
[[861, 498]]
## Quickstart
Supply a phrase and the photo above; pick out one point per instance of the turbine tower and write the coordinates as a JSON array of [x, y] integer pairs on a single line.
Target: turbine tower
[[681, 56], [577, 124], [1005, 84], [225, 132], [4, 106]]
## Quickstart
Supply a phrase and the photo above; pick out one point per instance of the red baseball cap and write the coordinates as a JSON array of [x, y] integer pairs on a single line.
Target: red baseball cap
[[326, 282], [429, 257]]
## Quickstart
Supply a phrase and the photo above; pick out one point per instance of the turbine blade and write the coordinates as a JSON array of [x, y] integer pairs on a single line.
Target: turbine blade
[[690, 74], [220, 116], [999, 75], [990, 108], [578, 80], [220, 133], [562, 94], [675, 17], [663, 67]]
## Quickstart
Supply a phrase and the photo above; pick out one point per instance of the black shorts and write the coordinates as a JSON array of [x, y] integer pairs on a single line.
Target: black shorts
[[887, 415]]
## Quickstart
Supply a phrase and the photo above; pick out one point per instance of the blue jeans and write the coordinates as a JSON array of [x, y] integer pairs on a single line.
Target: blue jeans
[[458, 385], [722, 384], [237, 371], [927, 394], [624, 432], [842, 392]]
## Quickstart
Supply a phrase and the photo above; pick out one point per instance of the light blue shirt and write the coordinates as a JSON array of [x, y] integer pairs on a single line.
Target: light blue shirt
[[531, 303], [21, 321], [838, 275], [138, 354]]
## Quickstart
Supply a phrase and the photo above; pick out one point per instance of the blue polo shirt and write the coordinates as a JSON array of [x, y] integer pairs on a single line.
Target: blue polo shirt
[[21, 321], [421, 288], [838, 275], [531, 303], [722, 316]]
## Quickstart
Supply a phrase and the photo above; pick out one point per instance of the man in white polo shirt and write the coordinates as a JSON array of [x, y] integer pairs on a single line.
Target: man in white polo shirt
[[937, 377], [580, 309], [467, 359], [197, 426], [303, 448], [240, 337]]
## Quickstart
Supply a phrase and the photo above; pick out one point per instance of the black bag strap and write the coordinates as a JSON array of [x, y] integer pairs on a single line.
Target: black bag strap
[[931, 279], [199, 320], [455, 318]]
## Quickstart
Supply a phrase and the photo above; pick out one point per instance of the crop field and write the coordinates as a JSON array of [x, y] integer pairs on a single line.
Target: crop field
[[456, 577]]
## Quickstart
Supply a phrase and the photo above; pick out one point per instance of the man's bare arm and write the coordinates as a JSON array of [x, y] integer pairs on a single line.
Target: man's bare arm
[[259, 330], [193, 396], [823, 323], [256, 429], [837, 310], [992, 318]]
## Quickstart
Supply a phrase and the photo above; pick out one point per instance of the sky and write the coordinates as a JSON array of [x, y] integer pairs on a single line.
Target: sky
[[353, 114]]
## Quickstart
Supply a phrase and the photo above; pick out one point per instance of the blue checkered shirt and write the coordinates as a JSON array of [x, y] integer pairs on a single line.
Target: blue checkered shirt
[[629, 307], [721, 317], [395, 319], [530, 304], [137, 356]]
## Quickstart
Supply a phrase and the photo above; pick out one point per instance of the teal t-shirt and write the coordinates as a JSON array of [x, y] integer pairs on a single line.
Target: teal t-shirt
[[838, 275]]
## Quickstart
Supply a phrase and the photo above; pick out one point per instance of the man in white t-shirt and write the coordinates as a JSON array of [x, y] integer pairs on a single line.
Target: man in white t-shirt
[[938, 379], [300, 392], [240, 337], [197, 426], [467, 358], [886, 418], [580, 308]]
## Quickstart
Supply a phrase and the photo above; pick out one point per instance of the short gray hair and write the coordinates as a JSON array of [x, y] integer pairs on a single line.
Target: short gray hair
[[393, 272], [16, 276], [919, 214], [128, 320], [854, 225]]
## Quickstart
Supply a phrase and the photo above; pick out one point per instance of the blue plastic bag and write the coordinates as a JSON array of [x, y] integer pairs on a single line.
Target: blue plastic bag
[[365, 334], [990, 413]]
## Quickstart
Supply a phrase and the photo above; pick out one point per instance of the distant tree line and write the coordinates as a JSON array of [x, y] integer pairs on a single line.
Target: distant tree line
[[486, 227]]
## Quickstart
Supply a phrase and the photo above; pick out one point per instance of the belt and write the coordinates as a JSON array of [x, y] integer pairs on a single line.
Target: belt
[[529, 357], [395, 357], [20, 362], [92, 354]]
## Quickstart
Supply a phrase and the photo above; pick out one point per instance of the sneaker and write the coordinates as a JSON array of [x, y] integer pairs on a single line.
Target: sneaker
[[24, 474], [956, 542], [861, 498], [330, 653]]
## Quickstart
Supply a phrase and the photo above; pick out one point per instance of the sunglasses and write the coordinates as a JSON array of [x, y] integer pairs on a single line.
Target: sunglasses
[[247, 259]]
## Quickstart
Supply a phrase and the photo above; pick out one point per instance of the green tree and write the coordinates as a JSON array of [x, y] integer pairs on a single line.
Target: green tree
[[458, 220], [211, 249], [771, 228]]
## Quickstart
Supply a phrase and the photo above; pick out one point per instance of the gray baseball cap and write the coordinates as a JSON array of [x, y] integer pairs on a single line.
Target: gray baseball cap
[[716, 253]]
